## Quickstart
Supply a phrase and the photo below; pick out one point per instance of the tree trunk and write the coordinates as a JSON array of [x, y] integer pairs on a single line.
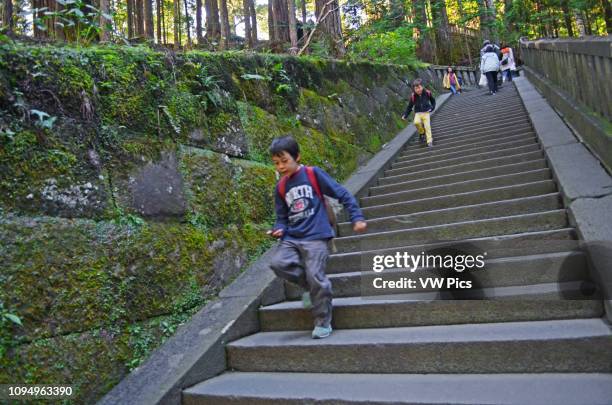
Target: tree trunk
[[330, 26], [130, 19], [163, 21], [38, 33], [57, 30], [187, 24], [292, 27], [199, 22], [148, 15], [225, 30], [140, 28], [491, 15], [7, 16], [253, 14], [209, 20], [420, 19], [588, 21], [248, 37], [464, 37], [484, 19], [177, 23], [271, 29], [567, 17], [216, 25], [555, 25], [104, 9], [440, 17], [303, 2], [280, 16], [159, 20]]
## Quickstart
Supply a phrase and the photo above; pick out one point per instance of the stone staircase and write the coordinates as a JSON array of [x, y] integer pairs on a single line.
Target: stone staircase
[[537, 337]]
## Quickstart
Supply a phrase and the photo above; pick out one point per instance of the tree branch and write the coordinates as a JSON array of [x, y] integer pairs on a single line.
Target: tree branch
[[319, 20]]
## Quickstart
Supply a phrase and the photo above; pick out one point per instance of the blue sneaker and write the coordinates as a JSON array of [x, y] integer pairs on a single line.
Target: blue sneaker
[[306, 302], [320, 332]]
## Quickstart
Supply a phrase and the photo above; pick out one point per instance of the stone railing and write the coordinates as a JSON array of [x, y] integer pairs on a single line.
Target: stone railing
[[574, 76], [468, 74], [580, 67]]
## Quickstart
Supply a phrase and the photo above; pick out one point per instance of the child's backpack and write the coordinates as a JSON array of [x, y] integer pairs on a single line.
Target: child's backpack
[[413, 96], [312, 178]]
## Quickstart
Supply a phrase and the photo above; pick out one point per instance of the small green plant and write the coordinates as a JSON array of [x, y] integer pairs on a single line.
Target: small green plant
[[7, 322], [131, 220], [79, 20]]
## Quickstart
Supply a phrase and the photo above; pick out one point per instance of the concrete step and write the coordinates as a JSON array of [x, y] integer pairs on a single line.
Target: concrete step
[[501, 304], [393, 176], [460, 141], [475, 127], [519, 244], [450, 134], [411, 193], [506, 347], [444, 121], [539, 221], [467, 157], [450, 114], [465, 111], [518, 140], [265, 388], [501, 272], [461, 199], [521, 167], [517, 206]]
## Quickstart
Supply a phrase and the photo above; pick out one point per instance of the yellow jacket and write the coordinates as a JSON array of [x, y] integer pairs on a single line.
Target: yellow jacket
[[446, 81]]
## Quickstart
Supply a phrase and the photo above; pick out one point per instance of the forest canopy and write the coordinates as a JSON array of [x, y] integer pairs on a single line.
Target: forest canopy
[[395, 31]]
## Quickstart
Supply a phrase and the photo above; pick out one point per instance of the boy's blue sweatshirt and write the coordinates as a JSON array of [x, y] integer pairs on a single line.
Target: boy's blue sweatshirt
[[302, 215]]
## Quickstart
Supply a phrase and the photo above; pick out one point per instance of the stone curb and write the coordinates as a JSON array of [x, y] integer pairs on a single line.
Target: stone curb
[[585, 185], [578, 172], [196, 352], [593, 131]]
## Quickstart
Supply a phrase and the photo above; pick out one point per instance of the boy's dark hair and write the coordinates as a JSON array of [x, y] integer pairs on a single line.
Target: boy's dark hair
[[417, 82], [285, 144]]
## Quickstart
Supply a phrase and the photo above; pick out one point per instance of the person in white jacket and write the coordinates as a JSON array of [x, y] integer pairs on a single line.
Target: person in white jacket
[[508, 65], [489, 65]]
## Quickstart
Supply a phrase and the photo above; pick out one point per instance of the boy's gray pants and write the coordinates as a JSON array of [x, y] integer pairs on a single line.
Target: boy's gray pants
[[303, 263]]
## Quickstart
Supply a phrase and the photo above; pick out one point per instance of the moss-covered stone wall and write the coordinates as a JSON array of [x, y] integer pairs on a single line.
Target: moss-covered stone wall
[[135, 184]]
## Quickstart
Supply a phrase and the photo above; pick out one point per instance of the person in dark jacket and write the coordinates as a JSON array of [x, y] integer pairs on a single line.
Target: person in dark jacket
[[423, 103], [302, 224]]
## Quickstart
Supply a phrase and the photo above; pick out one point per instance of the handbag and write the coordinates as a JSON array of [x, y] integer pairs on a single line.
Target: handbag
[[483, 80]]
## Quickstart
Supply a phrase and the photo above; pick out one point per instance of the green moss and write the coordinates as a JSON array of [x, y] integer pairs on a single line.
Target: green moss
[[212, 179], [114, 290]]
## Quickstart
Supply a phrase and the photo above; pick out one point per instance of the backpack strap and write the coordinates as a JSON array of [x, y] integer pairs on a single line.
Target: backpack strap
[[412, 96], [312, 177], [282, 187]]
